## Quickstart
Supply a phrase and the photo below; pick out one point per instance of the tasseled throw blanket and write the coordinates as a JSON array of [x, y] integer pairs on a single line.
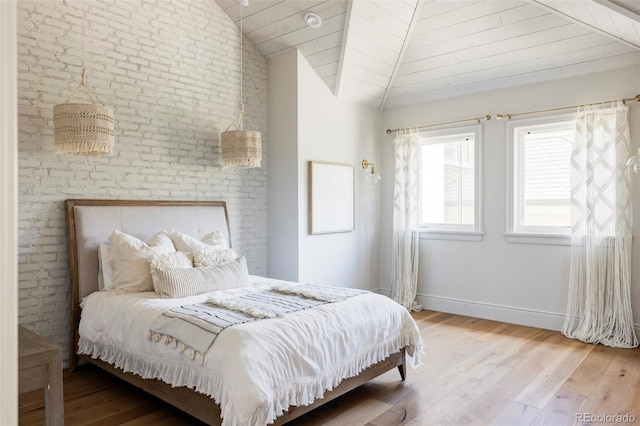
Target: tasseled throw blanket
[[194, 328]]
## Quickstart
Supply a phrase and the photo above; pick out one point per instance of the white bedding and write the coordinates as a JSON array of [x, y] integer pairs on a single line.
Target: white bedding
[[255, 371]]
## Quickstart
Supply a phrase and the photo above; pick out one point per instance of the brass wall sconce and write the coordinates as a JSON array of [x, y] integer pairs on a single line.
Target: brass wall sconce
[[372, 177]]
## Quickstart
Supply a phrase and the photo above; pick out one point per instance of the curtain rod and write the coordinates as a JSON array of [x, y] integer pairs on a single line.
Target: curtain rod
[[509, 116], [477, 119], [487, 117]]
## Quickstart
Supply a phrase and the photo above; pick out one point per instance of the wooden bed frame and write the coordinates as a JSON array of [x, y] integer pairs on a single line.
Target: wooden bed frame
[[194, 403]]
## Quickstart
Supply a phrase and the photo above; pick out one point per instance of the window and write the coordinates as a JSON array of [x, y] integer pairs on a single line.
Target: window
[[540, 192], [449, 180]]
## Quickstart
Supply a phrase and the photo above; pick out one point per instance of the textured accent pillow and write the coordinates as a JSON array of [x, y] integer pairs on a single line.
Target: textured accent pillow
[[186, 243], [213, 257], [129, 260], [215, 239], [174, 259], [105, 274], [183, 282]]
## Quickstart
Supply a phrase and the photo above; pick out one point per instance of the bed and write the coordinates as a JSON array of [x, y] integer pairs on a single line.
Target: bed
[[259, 372]]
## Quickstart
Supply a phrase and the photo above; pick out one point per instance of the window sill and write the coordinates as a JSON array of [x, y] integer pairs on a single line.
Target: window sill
[[535, 238], [429, 234]]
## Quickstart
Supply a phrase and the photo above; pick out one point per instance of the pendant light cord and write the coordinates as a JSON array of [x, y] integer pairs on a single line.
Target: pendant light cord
[[241, 76], [86, 90], [239, 123], [84, 47]]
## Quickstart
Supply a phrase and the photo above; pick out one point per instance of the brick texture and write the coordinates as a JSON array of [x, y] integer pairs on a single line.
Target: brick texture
[[170, 71]]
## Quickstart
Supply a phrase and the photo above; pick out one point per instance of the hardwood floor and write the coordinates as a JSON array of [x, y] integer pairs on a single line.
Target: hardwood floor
[[474, 372]]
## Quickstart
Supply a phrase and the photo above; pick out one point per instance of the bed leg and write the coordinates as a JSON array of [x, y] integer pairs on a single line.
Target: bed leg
[[401, 370], [401, 367]]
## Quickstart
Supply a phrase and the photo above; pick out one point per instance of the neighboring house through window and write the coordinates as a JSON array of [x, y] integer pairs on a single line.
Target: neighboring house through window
[[539, 174], [449, 183]]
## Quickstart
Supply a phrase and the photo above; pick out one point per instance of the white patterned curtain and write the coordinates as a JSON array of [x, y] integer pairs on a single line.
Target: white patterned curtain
[[404, 263], [599, 305]]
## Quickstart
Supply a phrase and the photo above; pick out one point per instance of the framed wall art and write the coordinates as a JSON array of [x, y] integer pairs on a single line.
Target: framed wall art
[[331, 197]]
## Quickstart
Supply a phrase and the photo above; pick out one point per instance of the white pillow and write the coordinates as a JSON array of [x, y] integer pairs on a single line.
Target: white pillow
[[128, 259], [105, 274], [174, 259], [216, 239], [185, 243], [213, 257], [183, 282]]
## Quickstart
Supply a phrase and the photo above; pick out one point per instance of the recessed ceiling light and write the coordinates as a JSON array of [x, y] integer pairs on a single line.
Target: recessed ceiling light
[[313, 19]]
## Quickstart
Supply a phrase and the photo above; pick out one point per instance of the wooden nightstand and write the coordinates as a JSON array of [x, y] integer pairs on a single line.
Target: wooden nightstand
[[40, 366]]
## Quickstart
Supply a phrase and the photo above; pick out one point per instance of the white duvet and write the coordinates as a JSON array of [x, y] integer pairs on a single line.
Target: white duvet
[[255, 371]]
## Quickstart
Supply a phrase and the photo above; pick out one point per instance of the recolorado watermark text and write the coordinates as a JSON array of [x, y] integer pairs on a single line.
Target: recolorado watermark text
[[605, 418]]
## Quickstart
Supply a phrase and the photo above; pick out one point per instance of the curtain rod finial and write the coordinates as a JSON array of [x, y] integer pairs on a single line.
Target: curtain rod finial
[[389, 131]]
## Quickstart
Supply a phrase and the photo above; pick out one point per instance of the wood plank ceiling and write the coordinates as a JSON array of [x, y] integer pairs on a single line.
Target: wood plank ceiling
[[386, 53]]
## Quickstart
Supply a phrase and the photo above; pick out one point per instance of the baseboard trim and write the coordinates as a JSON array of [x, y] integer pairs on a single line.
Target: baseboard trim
[[495, 312], [492, 311]]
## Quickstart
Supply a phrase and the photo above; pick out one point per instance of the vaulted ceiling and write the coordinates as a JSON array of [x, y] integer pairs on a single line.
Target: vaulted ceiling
[[386, 53]]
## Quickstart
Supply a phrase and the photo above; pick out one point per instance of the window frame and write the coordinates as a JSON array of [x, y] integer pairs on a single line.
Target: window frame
[[469, 232], [516, 231]]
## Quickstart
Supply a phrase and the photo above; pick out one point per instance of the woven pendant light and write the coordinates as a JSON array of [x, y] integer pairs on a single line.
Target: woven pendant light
[[241, 148], [83, 128]]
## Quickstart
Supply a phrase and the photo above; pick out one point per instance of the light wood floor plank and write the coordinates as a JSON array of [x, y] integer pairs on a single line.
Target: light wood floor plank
[[552, 377], [489, 406], [516, 414], [619, 389], [589, 373], [560, 410], [474, 372]]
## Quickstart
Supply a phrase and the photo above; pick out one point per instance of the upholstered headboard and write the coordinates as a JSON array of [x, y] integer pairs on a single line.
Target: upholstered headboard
[[90, 222]]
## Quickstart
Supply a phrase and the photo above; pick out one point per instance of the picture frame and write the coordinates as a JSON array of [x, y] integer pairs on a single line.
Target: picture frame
[[331, 197]]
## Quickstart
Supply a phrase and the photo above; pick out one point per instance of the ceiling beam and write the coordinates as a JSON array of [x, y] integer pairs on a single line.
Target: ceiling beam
[[405, 44], [343, 52], [601, 16]]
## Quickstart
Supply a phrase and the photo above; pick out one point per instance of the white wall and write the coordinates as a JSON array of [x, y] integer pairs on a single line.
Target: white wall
[[282, 95], [326, 129], [170, 71], [8, 216], [520, 283], [336, 131]]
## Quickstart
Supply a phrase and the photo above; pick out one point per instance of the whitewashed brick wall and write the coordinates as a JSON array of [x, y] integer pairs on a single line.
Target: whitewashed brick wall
[[170, 71]]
